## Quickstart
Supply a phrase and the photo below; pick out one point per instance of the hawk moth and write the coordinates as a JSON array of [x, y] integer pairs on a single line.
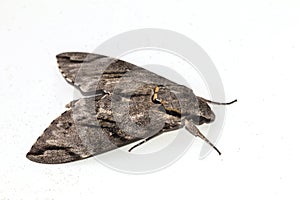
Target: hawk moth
[[122, 104]]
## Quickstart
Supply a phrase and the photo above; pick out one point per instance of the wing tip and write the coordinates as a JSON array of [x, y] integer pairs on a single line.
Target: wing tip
[[70, 54]]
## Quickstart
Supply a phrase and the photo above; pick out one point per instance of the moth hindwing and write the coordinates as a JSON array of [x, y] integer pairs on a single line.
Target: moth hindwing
[[123, 104]]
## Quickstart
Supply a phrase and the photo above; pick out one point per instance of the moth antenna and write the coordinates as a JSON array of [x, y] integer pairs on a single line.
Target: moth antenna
[[195, 131], [217, 103]]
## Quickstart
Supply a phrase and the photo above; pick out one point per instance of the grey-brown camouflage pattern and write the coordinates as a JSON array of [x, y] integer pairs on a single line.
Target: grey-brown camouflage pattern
[[123, 103]]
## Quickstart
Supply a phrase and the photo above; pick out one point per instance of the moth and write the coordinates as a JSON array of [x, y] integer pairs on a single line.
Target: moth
[[121, 104]]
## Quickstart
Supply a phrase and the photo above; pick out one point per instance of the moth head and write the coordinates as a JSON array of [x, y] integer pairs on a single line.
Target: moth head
[[205, 113]]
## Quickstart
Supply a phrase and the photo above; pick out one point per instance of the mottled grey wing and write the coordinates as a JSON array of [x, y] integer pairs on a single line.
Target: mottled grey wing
[[91, 127], [93, 73], [69, 63], [59, 143], [78, 133]]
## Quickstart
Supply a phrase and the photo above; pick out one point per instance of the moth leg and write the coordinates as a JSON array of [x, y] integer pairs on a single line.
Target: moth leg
[[145, 140], [217, 103], [195, 131]]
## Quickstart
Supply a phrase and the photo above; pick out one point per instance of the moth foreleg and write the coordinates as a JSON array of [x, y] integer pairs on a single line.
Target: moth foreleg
[[195, 131], [145, 140]]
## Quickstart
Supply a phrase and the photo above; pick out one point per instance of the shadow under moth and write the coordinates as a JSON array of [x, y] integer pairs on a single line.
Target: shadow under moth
[[121, 103]]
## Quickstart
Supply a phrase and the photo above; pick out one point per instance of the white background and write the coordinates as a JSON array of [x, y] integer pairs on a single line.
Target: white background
[[254, 44]]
